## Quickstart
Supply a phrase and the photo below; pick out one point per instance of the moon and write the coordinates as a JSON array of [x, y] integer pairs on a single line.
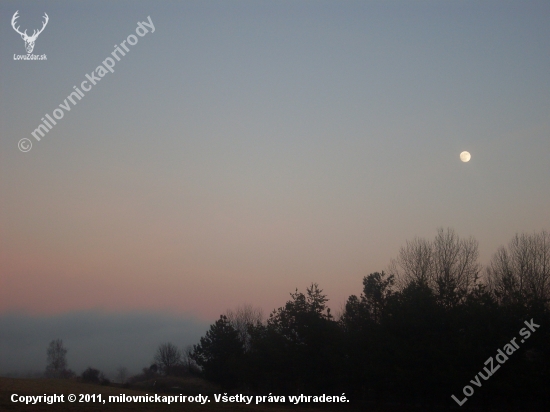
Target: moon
[[465, 156]]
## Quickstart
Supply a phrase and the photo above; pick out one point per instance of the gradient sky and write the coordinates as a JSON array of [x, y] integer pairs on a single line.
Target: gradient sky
[[248, 148]]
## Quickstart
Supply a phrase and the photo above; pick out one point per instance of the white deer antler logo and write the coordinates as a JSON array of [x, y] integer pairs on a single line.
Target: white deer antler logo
[[29, 40]]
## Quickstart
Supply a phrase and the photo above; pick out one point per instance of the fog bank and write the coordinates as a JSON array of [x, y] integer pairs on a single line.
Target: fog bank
[[104, 341]]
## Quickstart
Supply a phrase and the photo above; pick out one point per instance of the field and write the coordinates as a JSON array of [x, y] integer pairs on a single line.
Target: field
[[9, 386]]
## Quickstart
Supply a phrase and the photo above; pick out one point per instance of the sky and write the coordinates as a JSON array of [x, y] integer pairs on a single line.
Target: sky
[[244, 149]]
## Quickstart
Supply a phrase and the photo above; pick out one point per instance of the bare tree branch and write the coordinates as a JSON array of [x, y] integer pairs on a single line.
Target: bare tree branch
[[448, 265], [168, 356]]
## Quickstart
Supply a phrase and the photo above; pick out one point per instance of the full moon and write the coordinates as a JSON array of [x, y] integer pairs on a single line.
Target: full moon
[[465, 156]]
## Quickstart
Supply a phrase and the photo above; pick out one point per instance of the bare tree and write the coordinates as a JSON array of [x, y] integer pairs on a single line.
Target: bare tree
[[522, 270], [187, 360], [122, 374], [243, 317], [448, 265], [168, 356], [57, 359], [414, 263], [456, 269]]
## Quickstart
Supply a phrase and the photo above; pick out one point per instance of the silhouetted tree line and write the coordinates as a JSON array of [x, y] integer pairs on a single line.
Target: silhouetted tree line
[[169, 361], [415, 335]]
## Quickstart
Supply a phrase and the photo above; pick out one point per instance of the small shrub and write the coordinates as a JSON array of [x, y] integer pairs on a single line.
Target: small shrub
[[91, 375]]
